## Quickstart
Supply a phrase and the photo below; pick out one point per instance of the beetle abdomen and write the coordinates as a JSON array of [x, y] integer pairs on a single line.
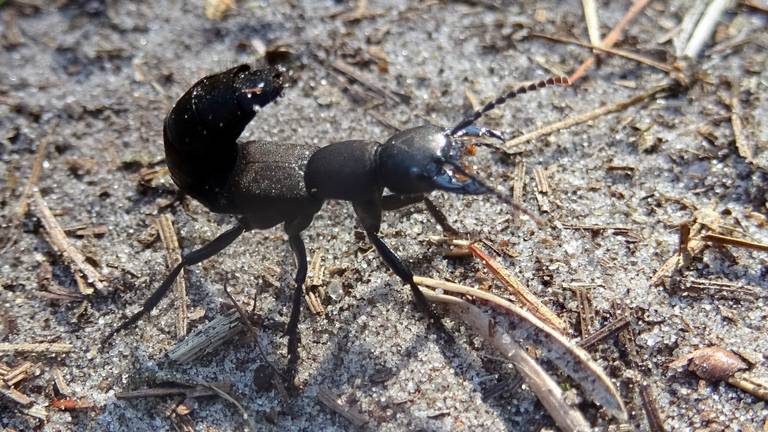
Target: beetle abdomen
[[201, 131]]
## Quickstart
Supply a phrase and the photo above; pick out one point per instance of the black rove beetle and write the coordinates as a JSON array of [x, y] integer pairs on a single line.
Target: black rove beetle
[[268, 183]]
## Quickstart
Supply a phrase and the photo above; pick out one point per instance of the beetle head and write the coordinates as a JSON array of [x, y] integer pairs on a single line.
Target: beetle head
[[426, 158]]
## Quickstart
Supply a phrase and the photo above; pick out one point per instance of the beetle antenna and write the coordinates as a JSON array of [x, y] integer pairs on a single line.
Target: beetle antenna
[[552, 81]]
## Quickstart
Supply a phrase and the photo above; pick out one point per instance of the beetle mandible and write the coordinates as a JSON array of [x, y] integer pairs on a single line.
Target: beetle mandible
[[266, 183]]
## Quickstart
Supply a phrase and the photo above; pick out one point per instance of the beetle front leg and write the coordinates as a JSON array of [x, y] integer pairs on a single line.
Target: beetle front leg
[[394, 202], [369, 214]]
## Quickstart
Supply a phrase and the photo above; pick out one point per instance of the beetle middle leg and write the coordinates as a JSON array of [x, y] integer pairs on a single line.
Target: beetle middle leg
[[394, 202], [294, 229]]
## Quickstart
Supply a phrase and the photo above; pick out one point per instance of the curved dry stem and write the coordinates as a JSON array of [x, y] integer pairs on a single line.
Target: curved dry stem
[[531, 331]]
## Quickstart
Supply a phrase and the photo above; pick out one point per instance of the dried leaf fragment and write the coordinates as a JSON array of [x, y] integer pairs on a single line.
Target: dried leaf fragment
[[711, 363], [217, 9]]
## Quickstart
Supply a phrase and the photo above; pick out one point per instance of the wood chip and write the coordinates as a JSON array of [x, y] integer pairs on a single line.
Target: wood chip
[[518, 182], [58, 240], [586, 313], [173, 257], [61, 384], [542, 189], [207, 338], [17, 374], [15, 395], [36, 348]]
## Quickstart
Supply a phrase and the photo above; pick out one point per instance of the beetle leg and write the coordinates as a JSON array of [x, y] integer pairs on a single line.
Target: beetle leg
[[394, 202], [208, 250], [300, 252], [369, 213]]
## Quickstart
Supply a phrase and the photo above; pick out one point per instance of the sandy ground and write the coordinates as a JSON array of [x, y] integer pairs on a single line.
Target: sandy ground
[[95, 79]]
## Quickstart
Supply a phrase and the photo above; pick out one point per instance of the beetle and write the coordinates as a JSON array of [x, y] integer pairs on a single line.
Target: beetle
[[270, 183]]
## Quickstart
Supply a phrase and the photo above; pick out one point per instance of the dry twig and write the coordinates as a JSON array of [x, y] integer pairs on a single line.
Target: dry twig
[[58, 240], [520, 291], [588, 116], [613, 36], [531, 331], [173, 257]]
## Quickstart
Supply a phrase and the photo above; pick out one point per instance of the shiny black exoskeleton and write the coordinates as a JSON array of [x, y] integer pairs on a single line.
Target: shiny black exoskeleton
[[269, 183]]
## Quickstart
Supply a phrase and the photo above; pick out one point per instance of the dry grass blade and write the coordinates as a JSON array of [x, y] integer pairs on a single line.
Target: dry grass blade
[[546, 389], [531, 331], [612, 51], [588, 116], [733, 241], [705, 28], [592, 20], [58, 240], [520, 291], [36, 348], [613, 36], [173, 257]]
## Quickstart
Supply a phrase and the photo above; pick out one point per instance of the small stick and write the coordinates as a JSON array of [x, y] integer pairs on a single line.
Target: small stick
[[331, 401], [253, 331], [34, 176], [520, 291], [592, 21], [518, 182], [616, 33], [173, 258], [733, 241], [587, 116], [190, 392], [705, 28], [745, 149], [542, 384], [655, 423], [58, 240], [586, 314], [611, 329], [14, 395], [35, 348]]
